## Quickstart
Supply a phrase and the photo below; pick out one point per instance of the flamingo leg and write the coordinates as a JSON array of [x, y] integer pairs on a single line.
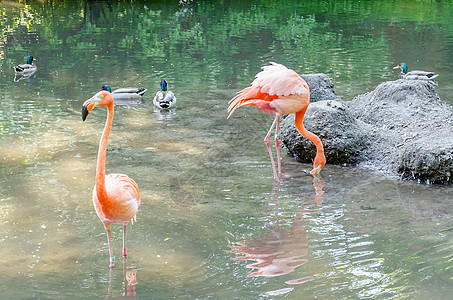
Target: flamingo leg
[[125, 281], [124, 242], [110, 290], [277, 145], [266, 141], [109, 237]]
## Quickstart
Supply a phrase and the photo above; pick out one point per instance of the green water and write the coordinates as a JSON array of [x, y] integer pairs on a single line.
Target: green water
[[212, 224]]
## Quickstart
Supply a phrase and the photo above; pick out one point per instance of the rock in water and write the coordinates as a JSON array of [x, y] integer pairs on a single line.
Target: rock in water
[[413, 129], [402, 128]]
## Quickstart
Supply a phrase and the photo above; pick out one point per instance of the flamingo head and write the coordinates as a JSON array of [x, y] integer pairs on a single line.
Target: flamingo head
[[318, 164], [102, 98]]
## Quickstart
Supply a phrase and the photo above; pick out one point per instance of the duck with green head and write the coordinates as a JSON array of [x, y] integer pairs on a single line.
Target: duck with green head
[[28, 67], [414, 75], [164, 98], [125, 93]]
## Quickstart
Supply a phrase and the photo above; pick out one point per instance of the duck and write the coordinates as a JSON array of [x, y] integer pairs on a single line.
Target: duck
[[28, 67], [164, 99], [414, 75], [125, 93]]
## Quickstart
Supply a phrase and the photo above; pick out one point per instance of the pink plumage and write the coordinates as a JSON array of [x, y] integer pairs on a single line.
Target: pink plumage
[[116, 197], [280, 91]]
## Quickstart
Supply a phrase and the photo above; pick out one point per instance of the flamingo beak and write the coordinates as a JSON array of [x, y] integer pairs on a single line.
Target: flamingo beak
[[84, 113], [316, 170], [88, 106]]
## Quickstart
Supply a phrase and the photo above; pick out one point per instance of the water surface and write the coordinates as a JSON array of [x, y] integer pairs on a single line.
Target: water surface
[[212, 224]]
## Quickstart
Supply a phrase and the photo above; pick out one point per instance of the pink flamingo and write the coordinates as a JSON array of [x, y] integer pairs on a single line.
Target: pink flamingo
[[116, 197], [280, 91]]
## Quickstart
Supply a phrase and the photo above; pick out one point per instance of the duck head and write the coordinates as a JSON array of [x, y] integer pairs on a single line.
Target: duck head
[[163, 85], [30, 59], [106, 88], [403, 67]]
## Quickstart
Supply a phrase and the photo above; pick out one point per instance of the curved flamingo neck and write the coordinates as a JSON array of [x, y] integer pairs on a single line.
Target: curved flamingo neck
[[102, 152], [299, 122]]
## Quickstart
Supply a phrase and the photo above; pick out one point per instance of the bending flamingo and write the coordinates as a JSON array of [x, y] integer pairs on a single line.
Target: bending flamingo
[[280, 91], [116, 197]]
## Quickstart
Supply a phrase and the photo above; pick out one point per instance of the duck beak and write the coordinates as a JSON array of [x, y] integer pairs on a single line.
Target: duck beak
[[397, 67], [316, 170]]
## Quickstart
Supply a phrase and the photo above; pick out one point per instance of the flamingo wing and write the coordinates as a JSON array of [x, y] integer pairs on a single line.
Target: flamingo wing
[[124, 199], [274, 81]]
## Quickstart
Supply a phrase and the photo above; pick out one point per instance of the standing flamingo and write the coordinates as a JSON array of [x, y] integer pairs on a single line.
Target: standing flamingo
[[280, 91], [116, 197]]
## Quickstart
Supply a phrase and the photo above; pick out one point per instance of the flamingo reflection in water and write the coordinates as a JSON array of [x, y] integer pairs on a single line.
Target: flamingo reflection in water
[[279, 252], [129, 283]]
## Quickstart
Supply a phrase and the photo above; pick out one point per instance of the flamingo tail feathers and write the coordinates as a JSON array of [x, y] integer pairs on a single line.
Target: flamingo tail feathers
[[248, 96]]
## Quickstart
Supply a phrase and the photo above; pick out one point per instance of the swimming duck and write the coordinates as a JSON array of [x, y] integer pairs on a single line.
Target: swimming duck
[[28, 67], [125, 93], [414, 75], [164, 99]]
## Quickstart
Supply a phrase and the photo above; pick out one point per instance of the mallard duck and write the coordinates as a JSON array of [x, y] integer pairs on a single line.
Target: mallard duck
[[414, 75], [125, 93], [28, 67], [164, 99]]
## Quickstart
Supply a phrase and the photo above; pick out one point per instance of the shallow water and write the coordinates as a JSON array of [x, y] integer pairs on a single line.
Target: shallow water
[[212, 224]]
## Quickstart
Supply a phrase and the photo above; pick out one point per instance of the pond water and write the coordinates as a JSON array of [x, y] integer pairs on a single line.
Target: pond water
[[212, 225]]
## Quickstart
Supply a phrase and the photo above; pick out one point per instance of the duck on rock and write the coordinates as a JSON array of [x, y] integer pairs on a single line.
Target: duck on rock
[[414, 75]]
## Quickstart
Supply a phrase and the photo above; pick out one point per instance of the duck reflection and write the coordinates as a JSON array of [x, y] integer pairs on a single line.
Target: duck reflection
[[24, 76], [128, 102], [129, 283], [164, 115], [278, 251]]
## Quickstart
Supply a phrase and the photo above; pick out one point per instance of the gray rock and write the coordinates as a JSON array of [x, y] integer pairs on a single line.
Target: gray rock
[[401, 128], [344, 139], [413, 130], [321, 87]]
